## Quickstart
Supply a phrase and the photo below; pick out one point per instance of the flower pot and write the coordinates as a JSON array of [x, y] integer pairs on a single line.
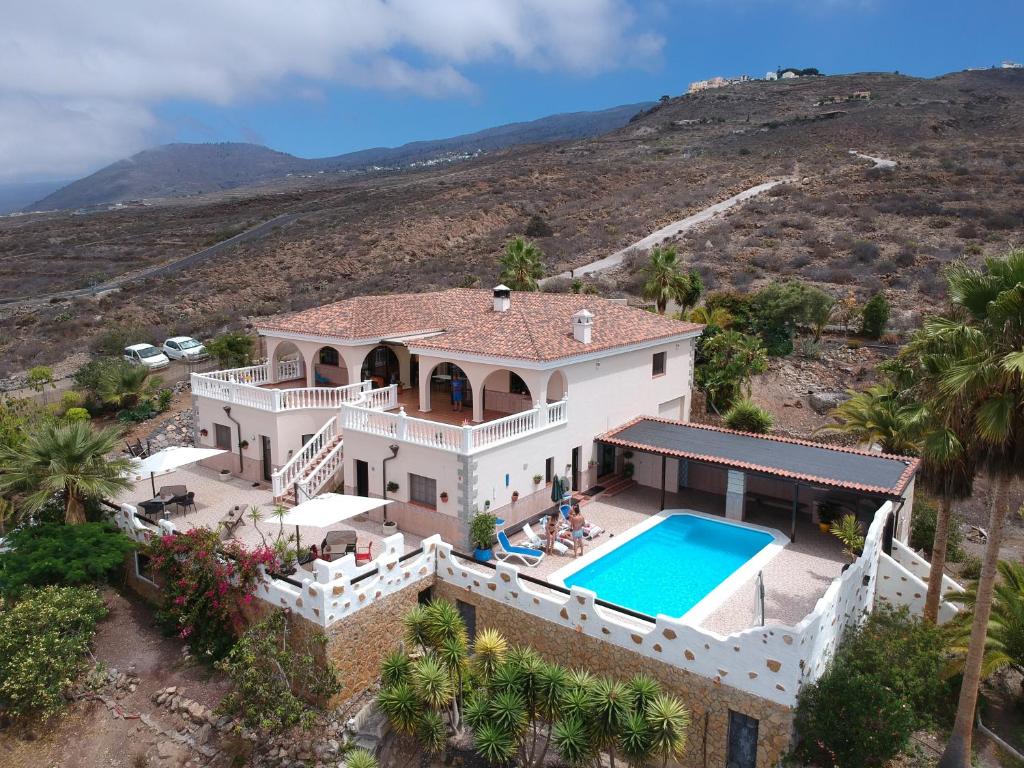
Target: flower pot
[[444, 497], [389, 527], [823, 527], [483, 555], [515, 495], [224, 474]]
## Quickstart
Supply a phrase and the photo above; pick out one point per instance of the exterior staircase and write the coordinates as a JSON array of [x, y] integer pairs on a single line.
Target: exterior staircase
[[311, 469], [615, 485]]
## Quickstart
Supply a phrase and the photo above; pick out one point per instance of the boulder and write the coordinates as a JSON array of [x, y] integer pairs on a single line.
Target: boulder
[[823, 402]]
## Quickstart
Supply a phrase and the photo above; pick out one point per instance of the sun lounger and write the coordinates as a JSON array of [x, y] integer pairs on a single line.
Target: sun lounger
[[506, 551], [535, 541], [591, 531]]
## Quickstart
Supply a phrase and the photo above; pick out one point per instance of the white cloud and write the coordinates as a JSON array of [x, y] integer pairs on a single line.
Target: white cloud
[[78, 81]]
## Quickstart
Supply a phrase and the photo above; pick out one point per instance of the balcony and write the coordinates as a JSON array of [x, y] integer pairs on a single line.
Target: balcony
[[251, 386]]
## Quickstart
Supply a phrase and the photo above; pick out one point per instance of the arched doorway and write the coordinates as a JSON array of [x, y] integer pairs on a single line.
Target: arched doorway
[[329, 368], [505, 392], [558, 387], [287, 363], [450, 387], [381, 367]]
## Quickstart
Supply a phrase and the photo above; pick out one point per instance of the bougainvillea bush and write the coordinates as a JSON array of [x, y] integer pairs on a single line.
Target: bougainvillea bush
[[205, 584]]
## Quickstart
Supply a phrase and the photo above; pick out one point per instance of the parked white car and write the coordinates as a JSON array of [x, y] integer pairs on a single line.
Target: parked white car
[[185, 348], [147, 355]]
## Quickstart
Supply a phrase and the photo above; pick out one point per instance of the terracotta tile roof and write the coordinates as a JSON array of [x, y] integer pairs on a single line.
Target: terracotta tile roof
[[783, 457], [536, 327]]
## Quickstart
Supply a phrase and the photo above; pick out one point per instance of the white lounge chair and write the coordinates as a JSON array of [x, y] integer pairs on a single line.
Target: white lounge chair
[[506, 551], [535, 541]]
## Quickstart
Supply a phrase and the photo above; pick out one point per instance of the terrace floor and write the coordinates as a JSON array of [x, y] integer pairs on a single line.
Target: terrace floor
[[794, 579], [214, 497]]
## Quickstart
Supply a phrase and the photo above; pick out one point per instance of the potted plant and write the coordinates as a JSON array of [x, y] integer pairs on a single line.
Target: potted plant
[[828, 513], [628, 469], [444, 496], [537, 479], [204, 432], [849, 531], [515, 496], [389, 527], [481, 535], [243, 444], [392, 486], [224, 474]]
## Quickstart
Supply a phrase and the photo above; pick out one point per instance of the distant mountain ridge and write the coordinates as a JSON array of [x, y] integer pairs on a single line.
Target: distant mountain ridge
[[174, 170]]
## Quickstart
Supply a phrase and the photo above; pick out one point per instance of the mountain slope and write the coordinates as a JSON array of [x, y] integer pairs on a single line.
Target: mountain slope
[[174, 170]]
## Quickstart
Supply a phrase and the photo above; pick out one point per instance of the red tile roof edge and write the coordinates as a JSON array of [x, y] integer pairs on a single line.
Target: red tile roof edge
[[912, 462]]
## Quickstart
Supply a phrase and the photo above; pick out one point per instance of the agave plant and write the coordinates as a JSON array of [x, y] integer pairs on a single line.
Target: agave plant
[[360, 758]]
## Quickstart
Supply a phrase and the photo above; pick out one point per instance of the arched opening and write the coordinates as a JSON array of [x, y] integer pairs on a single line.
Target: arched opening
[[450, 387], [558, 387], [287, 363], [381, 367], [505, 392], [329, 368]]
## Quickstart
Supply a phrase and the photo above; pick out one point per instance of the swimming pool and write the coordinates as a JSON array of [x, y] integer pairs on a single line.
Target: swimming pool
[[681, 564]]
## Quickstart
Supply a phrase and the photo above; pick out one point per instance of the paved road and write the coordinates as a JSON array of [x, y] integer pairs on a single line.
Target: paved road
[[160, 269], [673, 229]]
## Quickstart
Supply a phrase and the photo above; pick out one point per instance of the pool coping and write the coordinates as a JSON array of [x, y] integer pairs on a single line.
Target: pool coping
[[713, 599]]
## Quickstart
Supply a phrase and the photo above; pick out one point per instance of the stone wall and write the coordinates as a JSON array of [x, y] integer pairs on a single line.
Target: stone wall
[[359, 644], [709, 701]]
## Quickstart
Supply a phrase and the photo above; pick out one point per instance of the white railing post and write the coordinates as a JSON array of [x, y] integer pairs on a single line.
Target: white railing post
[[542, 413], [277, 400], [403, 424], [467, 439]]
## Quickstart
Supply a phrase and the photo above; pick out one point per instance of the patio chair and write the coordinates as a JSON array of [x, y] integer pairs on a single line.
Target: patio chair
[[364, 554], [337, 544], [506, 551], [186, 501], [535, 541], [137, 451]]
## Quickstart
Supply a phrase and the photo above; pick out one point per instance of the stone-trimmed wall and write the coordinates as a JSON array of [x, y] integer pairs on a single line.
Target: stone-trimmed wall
[[920, 567], [709, 700], [358, 645], [899, 586]]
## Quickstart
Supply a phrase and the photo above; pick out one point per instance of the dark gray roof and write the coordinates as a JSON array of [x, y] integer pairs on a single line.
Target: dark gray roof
[[783, 457]]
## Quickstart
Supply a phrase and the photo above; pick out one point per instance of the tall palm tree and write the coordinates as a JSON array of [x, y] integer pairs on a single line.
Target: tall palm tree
[[67, 458], [666, 281], [983, 369], [522, 265]]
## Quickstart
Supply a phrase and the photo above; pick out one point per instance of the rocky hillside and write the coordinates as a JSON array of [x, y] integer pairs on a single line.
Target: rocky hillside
[[839, 222]]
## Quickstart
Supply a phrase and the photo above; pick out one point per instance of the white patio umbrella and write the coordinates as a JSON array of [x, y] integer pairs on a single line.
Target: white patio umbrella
[[327, 509], [168, 460]]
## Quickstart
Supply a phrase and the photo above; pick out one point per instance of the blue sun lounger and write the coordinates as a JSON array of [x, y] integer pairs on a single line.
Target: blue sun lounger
[[507, 550]]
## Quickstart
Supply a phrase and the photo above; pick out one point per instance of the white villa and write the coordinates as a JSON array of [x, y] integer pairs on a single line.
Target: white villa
[[360, 393]]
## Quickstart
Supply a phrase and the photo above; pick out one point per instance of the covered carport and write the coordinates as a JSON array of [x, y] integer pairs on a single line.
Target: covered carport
[[776, 473]]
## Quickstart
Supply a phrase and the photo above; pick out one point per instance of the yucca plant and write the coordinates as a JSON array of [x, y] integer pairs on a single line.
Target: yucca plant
[[360, 758], [489, 650]]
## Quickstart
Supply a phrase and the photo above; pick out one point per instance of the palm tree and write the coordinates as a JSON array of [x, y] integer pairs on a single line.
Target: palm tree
[[522, 265], [67, 458], [981, 367], [666, 281], [879, 416], [718, 317], [1004, 646], [125, 386]]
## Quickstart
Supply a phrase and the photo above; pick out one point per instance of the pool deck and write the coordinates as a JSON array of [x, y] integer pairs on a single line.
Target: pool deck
[[794, 579]]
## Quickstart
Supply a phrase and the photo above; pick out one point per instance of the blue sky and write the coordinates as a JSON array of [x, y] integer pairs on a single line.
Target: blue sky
[[83, 85]]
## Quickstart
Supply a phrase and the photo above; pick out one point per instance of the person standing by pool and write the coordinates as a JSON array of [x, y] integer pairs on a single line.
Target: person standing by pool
[[576, 523], [456, 393], [551, 529]]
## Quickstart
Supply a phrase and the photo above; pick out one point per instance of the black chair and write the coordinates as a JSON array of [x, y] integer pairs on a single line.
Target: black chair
[[186, 502]]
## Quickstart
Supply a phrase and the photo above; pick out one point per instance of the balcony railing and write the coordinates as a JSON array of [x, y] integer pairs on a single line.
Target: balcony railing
[[243, 387], [467, 439]]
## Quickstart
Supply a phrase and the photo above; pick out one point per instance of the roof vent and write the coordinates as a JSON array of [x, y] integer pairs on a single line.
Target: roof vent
[[502, 298], [582, 325]]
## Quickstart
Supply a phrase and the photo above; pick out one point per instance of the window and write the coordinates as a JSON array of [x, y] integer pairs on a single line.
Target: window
[[516, 385], [144, 568], [222, 436], [328, 356], [658, 364], [423, 490], [172, 344], [468, 613]]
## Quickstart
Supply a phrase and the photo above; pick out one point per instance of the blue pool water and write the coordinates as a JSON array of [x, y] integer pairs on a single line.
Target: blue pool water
[[672, 566]]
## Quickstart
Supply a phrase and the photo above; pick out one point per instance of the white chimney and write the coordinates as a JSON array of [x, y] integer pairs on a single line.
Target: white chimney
[[502, 298], [582, 325]]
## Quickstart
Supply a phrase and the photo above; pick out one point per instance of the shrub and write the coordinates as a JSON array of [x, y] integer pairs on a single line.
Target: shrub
[[736, 304], [970, 568], [538, 227], [58, 554], [205, 585], [865, 251], [77, 414], [862, 711], [875, 316], [271, 665], [232, 350], [745, 416], [43, 639]]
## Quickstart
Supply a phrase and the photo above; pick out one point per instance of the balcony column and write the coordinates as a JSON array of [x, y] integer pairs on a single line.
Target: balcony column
[[542, 413], [311, 367], [425, 371]]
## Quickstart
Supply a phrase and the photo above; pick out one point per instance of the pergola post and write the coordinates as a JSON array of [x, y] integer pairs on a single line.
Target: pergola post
[[663, 481], [796, 503]]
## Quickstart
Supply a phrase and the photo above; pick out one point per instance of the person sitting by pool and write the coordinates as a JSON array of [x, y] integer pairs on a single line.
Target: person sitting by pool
[[551, 529], [576, 523]]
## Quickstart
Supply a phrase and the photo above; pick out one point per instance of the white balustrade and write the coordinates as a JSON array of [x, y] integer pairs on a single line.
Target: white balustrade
[[241, 386], [290, 369], [296, 466], [326, 468]]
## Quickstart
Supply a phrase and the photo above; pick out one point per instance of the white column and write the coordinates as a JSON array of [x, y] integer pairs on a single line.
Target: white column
[[311, 367], [425, 371]]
